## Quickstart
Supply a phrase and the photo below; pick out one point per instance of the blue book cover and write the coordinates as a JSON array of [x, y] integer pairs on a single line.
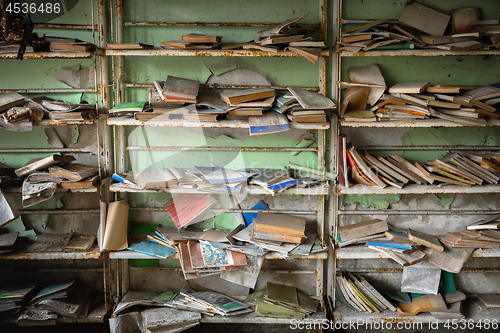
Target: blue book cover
[[152, 248], [391, 244], [270, 122], [285, 184], [261, 205]]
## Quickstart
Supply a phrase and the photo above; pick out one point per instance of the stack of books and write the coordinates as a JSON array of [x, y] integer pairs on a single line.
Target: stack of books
[[421, 27], [202, 258], [278, 228], [283, 301], [414, 100], [211, 302], [274, 180], [192, 41], [463, 169], [355, 292]]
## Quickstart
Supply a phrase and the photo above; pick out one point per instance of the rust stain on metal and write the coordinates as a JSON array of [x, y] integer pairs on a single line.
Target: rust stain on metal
[[64, 26]]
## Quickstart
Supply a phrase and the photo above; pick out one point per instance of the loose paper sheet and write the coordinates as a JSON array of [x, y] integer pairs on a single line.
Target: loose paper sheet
[[246, 275]]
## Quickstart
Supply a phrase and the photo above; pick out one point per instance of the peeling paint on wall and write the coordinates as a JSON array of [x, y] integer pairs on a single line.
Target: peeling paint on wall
[[377, 201], [446, 199]]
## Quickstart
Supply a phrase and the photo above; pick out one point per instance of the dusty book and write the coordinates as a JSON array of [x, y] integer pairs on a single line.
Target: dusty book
[[185, 209], [198, 38], [38, 164], [235, 96], [181, 87], [73, 171], [10, 99], [362, 229], [280, 223], [72, 47], [424, 239], [423, 18]]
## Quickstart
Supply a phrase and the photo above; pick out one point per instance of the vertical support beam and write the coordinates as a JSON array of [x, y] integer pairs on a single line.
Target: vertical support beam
[[105, 95], [121, 85]]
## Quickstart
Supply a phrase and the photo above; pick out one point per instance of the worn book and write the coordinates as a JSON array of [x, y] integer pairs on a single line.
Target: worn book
[[489, 223], [131, 46], [10, 99], [423, 18], [362, 229], [198, 38], [199, 117], [310, 53], [91, 181], [409, 87], [185, 209], [181, 87], [270, 236], [235, 96], [39, 164], [55, 290], [269, 122], [73, 171], [425, 239], [157, 178], [72, 47], [79, 244], [280, 223], [127, 107], [311, 99]]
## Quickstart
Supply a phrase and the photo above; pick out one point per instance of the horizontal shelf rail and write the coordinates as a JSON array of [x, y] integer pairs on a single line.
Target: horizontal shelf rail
[[41, 150], [48, 55], [117, 121], [60, 211], [419, 189], [203, 24], [205, 53], [419, 53], [428, 148], [54, 91], [418, 212], [254, 190], [277, 149], [148, 85], [364, 252], [65, 26], [412, 123], [244, 211]]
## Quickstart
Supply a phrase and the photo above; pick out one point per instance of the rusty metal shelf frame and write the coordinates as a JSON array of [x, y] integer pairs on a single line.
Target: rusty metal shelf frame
[[364, 252], [117, 121], [48, 55], [420, 53], [341, 314], [412, 124], [253, 190], [127, 254], [158, 52], [120, 267]]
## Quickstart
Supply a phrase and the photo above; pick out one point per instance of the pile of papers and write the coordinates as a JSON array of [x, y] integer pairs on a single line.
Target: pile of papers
[[19, 114], [42, 305]]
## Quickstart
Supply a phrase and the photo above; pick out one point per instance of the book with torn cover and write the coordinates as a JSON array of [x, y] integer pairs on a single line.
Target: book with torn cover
[[185, 209], [74, 171], [269, 122], [39, 164]]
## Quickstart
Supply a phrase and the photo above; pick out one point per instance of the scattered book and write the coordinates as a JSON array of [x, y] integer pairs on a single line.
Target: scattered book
[[181, 87], [198, 38]]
